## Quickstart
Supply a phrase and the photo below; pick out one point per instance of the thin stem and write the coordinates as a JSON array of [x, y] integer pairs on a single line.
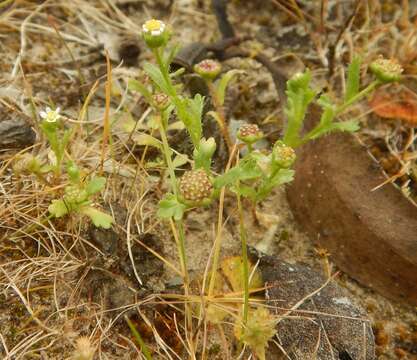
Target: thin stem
[[167, 154], [250, 147], [218, 239], [180, 236], [221, 118], [357, 97], [106, 119], [245, 261]]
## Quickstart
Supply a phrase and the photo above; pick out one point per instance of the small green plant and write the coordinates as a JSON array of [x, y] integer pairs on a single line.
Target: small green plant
[[78, 196], [253, 175], [79, 193], [58, 139]]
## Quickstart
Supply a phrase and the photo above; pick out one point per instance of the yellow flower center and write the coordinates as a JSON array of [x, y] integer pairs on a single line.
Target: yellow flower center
[[153, 25]]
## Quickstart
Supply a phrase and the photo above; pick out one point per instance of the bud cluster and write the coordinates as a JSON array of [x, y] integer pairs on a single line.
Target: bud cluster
[[283, 155], [249, 133], [386, 70], [208, 69], [195, 188]]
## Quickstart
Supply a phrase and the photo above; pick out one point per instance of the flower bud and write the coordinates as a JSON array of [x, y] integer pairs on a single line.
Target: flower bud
[[154, 33], [386, 70], [208, 147], [196, 188], [283, 155], [73, 172], [208, 69], [300, 80], [160, 101], [249, 133]]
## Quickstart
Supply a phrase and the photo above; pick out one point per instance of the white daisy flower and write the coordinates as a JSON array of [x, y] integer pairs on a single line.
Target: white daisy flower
[[50, 115], [155, 33], [153, 27]]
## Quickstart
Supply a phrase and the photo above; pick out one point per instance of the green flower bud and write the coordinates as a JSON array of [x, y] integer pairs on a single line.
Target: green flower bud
[[195, 188], [73, 172], [283, 155], [154, 33], [299, 80], [207, 147], [208, 69], [386, 70], [249, 134]]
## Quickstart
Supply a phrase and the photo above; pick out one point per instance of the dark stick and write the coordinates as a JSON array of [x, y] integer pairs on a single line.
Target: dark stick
[[220, 10]]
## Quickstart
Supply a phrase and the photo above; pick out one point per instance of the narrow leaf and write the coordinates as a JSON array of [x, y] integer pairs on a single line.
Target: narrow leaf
[[158, 79], [135, 85], [224, 82], [99, 218], [353, 78], [244, 171]]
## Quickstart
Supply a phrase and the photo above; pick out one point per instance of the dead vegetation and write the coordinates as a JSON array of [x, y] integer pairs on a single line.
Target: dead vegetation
[[66, 287]]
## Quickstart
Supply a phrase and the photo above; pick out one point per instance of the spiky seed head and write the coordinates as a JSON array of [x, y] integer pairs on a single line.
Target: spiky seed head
[[283, 155], [196, 188], [249, 133], [258, 331], [84, 350], [386, 70], [208, 69], [155, 33]]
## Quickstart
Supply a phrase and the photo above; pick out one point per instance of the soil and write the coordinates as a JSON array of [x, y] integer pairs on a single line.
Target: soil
[[62, 279]]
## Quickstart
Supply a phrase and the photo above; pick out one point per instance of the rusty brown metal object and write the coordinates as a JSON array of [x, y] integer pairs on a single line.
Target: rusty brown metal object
[[371, 235]]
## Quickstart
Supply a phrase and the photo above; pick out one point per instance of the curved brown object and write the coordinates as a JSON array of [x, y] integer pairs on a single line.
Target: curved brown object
[[371, 235]]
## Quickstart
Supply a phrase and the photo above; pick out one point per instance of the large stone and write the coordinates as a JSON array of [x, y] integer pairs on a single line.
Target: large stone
[[15, 133], [320, 320]]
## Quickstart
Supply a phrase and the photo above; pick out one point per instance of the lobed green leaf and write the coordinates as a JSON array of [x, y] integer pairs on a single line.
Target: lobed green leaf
[[353, 78]]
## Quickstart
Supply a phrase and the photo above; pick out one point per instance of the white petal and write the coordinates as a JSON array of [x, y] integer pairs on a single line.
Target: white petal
[[48, 109], [57, 110], [156, 32], [43, 114]]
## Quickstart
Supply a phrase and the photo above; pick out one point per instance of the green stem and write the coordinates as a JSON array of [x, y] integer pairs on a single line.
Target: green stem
[[221, 118], [167, 153], [357, 97], [250, 147], [245, 261], [143, 348]]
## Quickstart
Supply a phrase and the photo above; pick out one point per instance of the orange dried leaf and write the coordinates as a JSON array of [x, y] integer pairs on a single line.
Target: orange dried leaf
[[401, 105]]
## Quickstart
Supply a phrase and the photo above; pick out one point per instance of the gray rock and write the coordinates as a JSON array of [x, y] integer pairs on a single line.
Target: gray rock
[[16, 134], [320, 320]]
